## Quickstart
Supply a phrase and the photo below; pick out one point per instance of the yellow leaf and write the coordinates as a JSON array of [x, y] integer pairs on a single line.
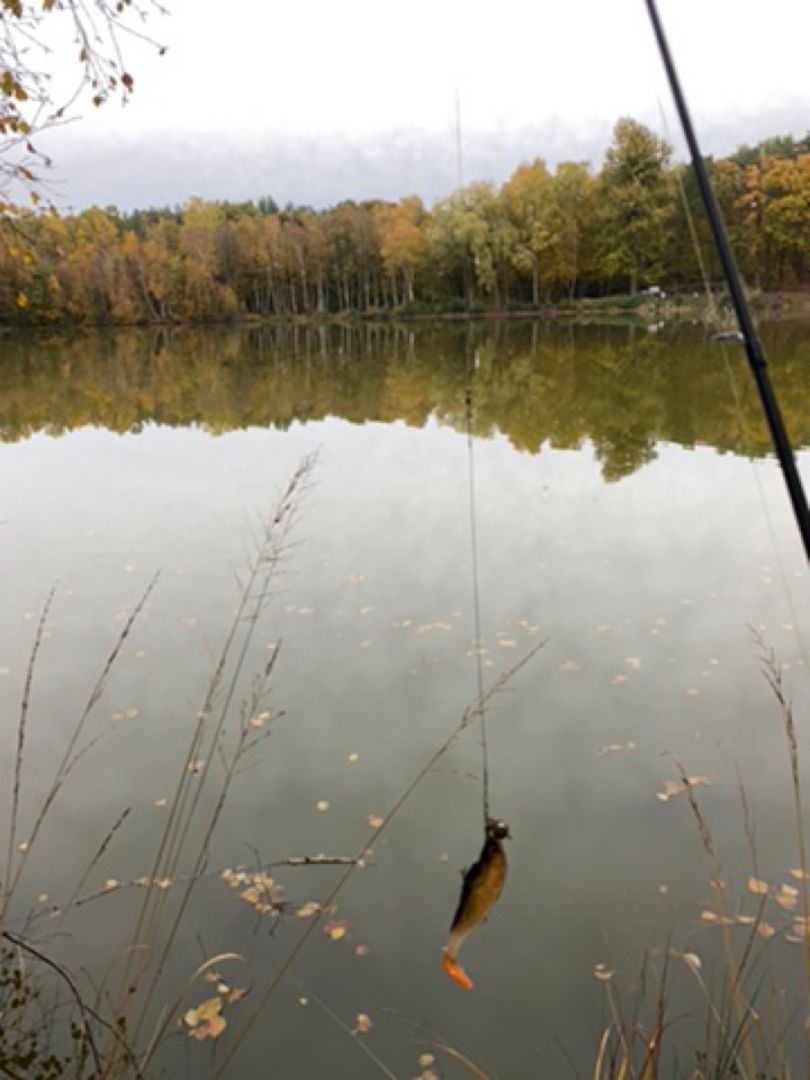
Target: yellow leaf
[[22, 300], [362, 1024], [337, 929], [757, 886]]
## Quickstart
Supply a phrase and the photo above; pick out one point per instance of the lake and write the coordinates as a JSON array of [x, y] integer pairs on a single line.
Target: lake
[[629, 514]]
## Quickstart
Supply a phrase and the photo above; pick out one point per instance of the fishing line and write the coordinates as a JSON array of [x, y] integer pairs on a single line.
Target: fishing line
[[476, 591], [735, 394], [788, 595], [756, 357]]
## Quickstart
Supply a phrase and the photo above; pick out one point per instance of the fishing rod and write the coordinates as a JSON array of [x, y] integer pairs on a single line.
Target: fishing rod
[[753, 349]]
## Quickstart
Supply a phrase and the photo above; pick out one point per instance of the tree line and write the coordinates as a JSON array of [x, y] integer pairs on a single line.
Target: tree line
[[544, 237]]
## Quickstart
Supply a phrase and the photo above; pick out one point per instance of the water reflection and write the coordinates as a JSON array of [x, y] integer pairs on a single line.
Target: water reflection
[[622, 388], [644, 588]]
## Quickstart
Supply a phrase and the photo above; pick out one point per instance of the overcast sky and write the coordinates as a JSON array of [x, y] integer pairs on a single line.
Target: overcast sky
[[323, 101]]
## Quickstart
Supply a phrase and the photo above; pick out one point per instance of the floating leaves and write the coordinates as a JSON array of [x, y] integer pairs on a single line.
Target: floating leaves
[[374, 821], [603, 973], [256, 889], [322, 805], [757, 886], [206, 1021]]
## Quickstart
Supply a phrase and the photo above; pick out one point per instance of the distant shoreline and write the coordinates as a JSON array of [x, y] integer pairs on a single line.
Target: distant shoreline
[[643, 309]]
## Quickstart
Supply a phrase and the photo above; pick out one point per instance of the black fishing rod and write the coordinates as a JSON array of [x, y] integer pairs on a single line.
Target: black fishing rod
[[753, 349]]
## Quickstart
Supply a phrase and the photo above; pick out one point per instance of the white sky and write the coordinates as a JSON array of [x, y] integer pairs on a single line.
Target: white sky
[[257, 88]]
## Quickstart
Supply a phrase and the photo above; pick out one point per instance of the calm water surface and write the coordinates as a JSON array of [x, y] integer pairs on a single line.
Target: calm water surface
[[628, 511]]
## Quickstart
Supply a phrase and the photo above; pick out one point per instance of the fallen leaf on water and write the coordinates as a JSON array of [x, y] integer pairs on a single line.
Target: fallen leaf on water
[[374, 821], [746, 920], [757, 886], [799, 874], [337, 929], [507, 643], [615, 748], [366, 609], [426, 1060], [633, 663], [787, 897], [709, 916], [353, 758], [617, 680], [692, 961], [361, 950], [603, 972], [362, 1024], [569, 667], [675, 787], [322, 804], [160, 802], [110, 884], [306, 911], [205, 1022], [765, 930]]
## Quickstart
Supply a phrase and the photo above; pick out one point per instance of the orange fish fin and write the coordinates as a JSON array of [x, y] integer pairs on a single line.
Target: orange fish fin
[[451, 967]]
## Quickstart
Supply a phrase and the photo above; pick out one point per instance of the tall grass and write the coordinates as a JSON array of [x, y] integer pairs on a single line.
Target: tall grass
[[51, 1024], [230, 723], [748, 1025]]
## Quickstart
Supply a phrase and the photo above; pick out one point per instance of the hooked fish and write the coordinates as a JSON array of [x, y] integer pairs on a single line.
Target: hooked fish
[[483, 884]]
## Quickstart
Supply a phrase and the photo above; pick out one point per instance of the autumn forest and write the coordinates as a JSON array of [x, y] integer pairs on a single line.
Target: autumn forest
[[544, 237]]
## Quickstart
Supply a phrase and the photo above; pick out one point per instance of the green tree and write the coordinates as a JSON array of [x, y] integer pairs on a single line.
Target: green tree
[[637, 197]]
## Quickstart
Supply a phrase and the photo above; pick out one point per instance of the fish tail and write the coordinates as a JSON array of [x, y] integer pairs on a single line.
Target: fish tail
[[451, 967]]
